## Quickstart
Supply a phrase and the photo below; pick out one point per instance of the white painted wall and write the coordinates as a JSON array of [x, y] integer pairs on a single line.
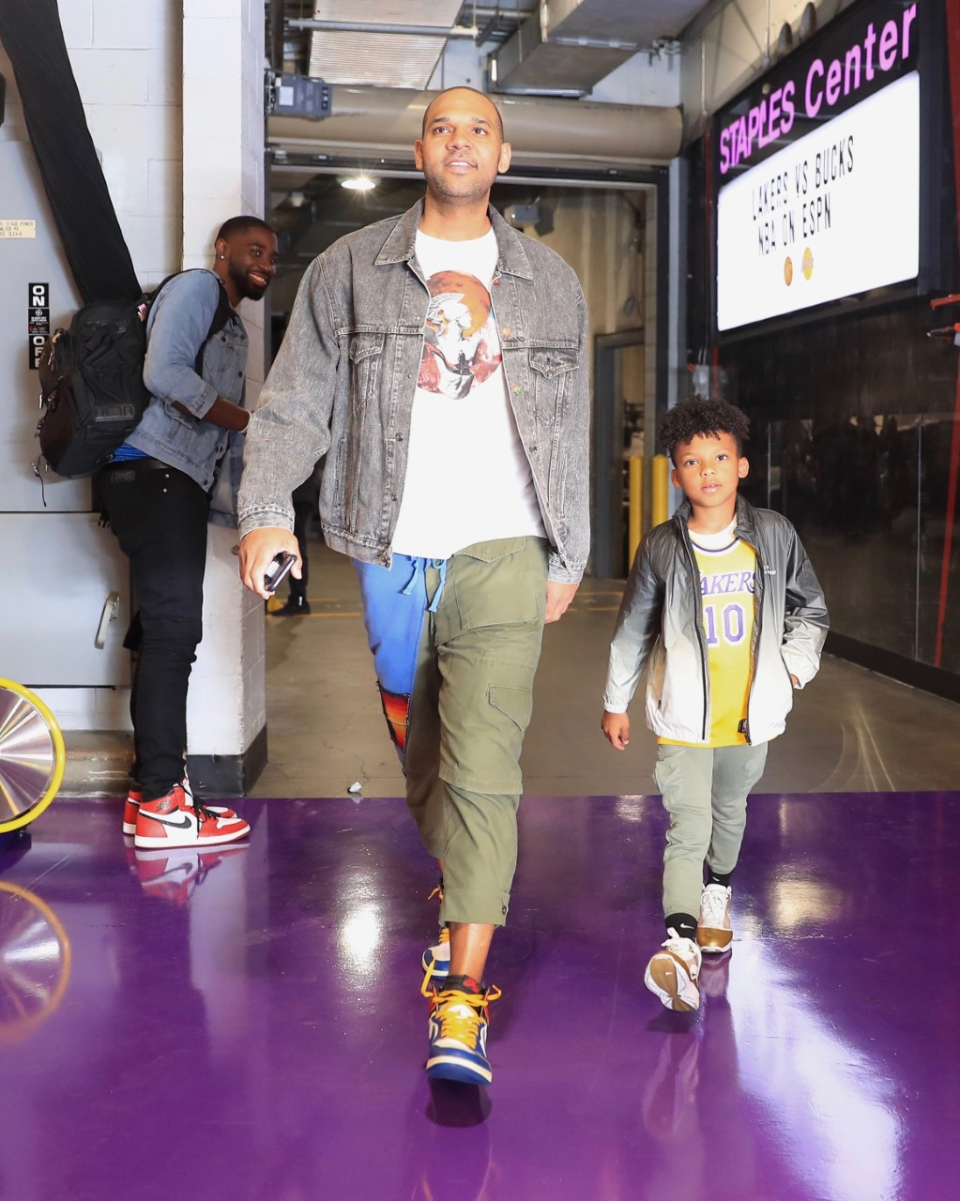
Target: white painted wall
[[128, 74], [223, 175]]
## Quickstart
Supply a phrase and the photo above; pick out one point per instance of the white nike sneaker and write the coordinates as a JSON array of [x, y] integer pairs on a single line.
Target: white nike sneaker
[[673, 972], [714, 927]]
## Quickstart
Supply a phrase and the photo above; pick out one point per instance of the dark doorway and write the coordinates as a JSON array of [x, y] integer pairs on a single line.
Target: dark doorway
[[618, 429]]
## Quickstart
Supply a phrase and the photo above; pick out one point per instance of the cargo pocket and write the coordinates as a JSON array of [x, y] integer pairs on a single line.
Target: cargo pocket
[[515, 703], [501, 583]]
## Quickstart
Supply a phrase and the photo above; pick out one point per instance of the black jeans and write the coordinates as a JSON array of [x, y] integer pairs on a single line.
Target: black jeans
[[159, 516], [302, 512]]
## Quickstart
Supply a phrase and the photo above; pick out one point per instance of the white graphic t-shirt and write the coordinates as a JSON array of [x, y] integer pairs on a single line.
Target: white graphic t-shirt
[[467, 477]]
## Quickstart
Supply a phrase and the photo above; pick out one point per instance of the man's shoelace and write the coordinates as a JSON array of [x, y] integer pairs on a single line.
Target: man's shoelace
[[461, 1014], [444, 938]]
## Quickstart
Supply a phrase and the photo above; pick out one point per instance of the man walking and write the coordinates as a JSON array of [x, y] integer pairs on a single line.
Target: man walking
[[156, 495], [438, 359]]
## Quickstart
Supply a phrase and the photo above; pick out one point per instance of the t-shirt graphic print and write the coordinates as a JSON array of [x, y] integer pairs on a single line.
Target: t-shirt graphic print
[[461, 345], [467, 478]]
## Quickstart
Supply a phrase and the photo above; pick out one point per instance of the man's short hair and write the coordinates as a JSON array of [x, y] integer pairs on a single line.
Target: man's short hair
[[240, 225], [698, 417], [461, 87]]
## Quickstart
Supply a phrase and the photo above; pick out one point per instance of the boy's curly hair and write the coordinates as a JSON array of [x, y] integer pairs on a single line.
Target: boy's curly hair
[[696, 416]]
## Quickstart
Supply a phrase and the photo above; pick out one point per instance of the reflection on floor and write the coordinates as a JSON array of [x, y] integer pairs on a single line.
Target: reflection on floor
[[248, 1027]]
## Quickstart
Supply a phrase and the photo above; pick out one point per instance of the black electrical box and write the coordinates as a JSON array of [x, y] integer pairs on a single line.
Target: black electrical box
[[301, 96]]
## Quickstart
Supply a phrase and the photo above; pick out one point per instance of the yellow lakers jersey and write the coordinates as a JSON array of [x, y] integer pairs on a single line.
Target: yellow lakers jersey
[[727, 591]]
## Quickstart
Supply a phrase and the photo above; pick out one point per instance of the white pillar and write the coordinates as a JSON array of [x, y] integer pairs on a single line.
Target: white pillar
[[223, 176]]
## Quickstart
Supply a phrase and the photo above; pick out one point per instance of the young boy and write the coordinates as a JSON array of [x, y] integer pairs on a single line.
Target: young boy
[[723, 602]]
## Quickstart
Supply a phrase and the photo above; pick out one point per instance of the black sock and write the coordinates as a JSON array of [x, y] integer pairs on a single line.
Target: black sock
[[463, 984], [716, 878], [682, 924]]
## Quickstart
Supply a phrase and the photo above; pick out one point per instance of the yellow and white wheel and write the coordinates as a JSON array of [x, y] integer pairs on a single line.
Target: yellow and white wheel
[[32, 756], [35, 962]]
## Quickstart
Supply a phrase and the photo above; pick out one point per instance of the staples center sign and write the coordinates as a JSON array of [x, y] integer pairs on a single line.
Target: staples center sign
[[836, 212]]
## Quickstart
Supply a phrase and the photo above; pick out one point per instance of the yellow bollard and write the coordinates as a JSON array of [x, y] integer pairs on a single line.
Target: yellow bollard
[[661, 489], [635, 506]]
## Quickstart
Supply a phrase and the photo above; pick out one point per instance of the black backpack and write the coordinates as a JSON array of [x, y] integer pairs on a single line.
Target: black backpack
[[91, 381]]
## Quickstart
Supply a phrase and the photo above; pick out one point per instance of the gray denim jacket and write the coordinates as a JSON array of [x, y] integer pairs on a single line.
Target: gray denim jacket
[[177, 326], [661, 620], [343, 386]]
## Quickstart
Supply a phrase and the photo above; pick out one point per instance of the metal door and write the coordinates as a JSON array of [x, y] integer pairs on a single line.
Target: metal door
[[62, 569]]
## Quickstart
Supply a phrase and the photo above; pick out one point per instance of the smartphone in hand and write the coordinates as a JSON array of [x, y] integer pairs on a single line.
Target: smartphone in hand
[[278, 570]]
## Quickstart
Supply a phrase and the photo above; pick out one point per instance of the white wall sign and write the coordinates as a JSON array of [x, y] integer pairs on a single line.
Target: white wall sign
[[834, 214], [17, 229]]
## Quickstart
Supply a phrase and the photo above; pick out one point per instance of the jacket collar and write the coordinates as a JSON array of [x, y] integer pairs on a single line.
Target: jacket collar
[[745, 518], [401, 245]]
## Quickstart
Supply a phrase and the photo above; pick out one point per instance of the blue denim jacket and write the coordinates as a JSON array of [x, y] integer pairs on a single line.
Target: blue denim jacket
[[343, 386], [177, 326]]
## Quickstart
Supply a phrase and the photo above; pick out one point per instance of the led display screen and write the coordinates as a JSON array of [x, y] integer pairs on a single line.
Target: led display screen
[[818, 175]]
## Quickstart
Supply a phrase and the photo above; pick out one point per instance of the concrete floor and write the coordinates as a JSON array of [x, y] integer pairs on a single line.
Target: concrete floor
[[850, 731]]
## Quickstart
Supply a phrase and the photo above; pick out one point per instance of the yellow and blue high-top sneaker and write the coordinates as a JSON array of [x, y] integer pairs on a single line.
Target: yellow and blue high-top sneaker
[[458, 1034]]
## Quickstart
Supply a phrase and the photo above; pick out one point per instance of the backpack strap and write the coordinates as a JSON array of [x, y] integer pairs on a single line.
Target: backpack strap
[[221, 316]]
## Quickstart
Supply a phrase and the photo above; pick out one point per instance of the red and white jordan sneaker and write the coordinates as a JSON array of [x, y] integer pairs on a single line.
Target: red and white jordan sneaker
[[131, 806], [172, 821]]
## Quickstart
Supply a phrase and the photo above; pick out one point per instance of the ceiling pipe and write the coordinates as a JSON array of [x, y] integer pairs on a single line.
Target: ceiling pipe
[[384, 123], [315, 25]]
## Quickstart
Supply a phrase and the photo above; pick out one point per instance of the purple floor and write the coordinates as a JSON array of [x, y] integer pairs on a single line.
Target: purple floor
[[254, 1032]]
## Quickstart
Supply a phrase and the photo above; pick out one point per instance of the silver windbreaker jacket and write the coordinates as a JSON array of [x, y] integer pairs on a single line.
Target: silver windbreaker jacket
[[343, 386], [661, 618]]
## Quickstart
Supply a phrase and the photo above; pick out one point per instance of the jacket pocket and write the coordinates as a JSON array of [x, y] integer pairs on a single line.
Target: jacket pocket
[[340, 477], [550, 368], [550, 371], [182, 431], [551, 362], [184, 419], [366, 356]]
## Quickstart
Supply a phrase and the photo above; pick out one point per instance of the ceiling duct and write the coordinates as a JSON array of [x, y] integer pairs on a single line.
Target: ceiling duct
[[343, 52], [568, 46], [371, 123]]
